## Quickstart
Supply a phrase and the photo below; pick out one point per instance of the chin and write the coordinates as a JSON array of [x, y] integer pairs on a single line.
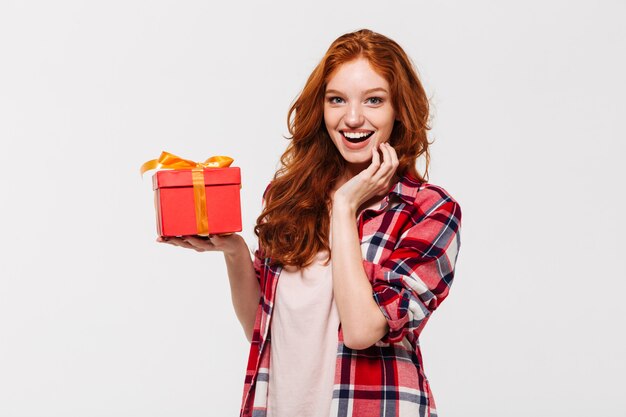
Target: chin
[[359, 155], [358, 162]]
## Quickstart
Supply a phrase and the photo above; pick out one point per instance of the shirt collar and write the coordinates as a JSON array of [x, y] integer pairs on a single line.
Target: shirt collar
[[406, 189]]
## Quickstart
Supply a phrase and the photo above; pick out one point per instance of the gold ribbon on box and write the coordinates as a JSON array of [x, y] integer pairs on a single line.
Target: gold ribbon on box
[[171, 161]]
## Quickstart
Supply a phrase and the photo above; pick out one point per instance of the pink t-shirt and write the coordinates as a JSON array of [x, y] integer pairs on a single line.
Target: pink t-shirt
[[304, 334]]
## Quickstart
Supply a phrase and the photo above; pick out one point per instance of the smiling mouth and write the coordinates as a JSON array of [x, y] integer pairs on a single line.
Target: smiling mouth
[[356, 138]]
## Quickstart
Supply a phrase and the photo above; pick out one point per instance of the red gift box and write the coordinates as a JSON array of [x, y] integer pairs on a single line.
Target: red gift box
[[176, 202]]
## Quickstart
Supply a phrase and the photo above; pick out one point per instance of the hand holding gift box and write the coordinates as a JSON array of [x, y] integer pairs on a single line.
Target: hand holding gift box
[[195, 198]]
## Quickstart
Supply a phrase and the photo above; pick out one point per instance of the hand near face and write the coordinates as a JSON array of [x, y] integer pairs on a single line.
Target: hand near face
[[374, 180]]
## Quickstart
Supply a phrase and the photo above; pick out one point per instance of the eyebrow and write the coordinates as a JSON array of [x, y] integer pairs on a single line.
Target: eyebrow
[[371, 90]]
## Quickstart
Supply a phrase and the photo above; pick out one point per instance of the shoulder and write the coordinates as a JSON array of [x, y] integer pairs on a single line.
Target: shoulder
[[269, 185], [431, 196], [425, 196], [265, 194]]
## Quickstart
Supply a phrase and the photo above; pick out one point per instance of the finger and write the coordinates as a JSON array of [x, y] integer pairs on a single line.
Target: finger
[[378, 168], [373, 167], [385, 165], [375, 159], [183, 244], [388, 167], [384, 149], [171, 240], [394, 155], [198, 242], [392, 159], [218, 240], [204, 244], [393, 164]]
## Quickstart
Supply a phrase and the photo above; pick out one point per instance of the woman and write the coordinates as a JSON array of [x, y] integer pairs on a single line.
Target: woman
[[364, 247]]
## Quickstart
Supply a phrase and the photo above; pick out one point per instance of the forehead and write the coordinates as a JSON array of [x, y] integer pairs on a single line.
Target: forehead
[[357, 74]]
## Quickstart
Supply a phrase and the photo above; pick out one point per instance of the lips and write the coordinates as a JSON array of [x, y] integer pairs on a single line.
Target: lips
[[356, 137], [355, 140]]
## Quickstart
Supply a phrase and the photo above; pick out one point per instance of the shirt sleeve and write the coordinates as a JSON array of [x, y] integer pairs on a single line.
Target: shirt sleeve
[[259, 258], [258, 262], [411, 283]]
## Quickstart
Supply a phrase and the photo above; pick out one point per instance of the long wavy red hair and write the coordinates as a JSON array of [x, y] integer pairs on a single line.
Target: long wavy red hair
[[294, 224]]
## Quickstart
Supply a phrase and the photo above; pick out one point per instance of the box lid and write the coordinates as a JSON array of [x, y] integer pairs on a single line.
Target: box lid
[[182, 177]]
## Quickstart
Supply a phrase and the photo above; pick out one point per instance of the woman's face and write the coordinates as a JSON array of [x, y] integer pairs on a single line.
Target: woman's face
[[358, 111]]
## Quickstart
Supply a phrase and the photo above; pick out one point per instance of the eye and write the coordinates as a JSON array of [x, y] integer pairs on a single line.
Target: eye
[[375, 100], [335, 100]]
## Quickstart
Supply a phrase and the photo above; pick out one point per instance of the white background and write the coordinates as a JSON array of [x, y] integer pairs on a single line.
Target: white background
[[96, 319]]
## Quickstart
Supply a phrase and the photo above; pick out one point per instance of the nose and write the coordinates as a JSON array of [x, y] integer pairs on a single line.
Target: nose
[[354, 115]]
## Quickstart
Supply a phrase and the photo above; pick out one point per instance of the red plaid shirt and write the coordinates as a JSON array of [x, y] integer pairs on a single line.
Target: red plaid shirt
[[409, 247]]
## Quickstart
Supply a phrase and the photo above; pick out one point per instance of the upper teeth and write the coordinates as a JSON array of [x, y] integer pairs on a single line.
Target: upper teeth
[[355, 135]]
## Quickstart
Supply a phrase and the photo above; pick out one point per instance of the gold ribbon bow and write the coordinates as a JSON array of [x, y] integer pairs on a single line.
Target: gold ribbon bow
[[171, 161]]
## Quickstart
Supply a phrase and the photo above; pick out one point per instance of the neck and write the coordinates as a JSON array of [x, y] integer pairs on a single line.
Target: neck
[[350, 171]]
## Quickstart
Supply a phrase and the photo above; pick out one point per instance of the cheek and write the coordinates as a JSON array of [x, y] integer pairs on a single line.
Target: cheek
[[331, 117], [383, 122], [328, 121], [385, 125], [389, 121]]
